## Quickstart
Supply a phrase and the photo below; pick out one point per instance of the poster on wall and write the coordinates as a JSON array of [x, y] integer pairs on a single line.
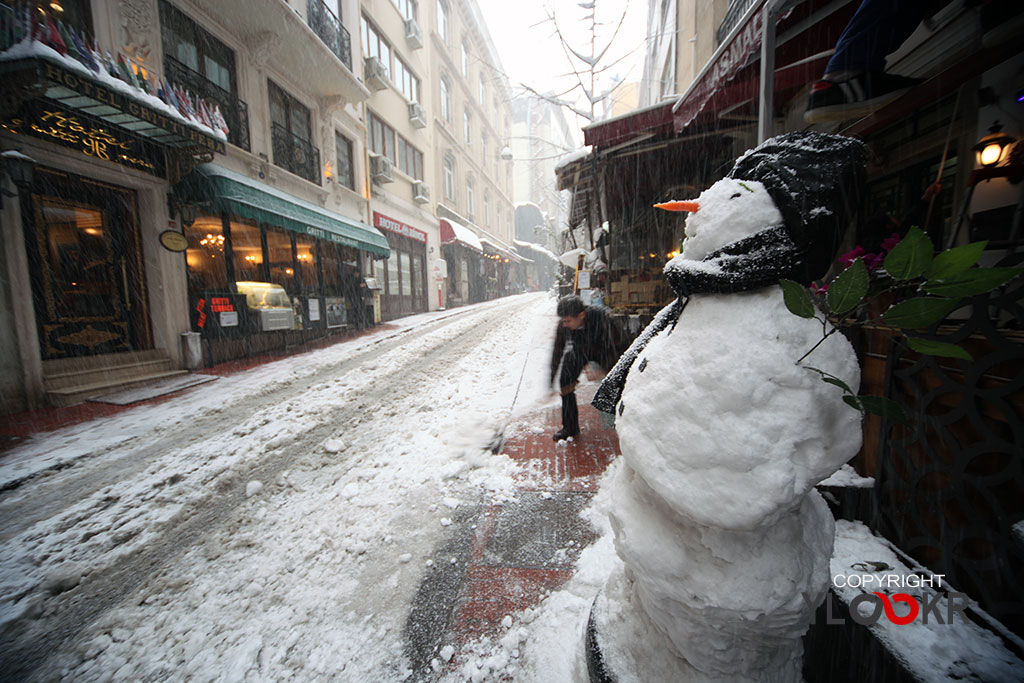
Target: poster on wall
[[336, 312], [314, 309]]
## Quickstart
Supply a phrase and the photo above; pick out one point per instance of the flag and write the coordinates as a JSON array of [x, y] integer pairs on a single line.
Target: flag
[[53, 38], [126, 73], [82, 47]]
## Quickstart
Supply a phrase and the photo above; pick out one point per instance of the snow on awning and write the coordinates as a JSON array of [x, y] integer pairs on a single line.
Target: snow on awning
[[221, 190], [571, 258], [532, 246], [452, 232]]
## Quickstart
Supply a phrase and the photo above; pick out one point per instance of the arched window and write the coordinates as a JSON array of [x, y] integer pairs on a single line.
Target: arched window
[[467, 121], [487, 208], [470, 209]]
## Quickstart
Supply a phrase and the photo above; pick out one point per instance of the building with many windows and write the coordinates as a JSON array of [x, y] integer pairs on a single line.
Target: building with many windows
[[210, 179]]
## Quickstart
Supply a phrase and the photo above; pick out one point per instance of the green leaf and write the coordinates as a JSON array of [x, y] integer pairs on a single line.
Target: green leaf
[[935, 348], [878, 405], [848, 289], [911, 256], [971, 282], [957, 260], [832, 379], [797, 299], [919, 312]]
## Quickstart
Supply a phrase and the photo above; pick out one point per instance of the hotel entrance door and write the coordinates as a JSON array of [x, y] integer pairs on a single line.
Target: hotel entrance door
[[86, 263]]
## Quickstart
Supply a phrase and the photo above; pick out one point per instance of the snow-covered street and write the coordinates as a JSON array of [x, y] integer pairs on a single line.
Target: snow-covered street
[[271, 525]]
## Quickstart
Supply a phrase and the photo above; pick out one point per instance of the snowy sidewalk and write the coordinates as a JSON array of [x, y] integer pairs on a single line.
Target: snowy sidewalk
[[515, 552]]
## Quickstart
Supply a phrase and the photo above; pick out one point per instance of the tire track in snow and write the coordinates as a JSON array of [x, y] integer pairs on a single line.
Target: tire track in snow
[[51, 621]]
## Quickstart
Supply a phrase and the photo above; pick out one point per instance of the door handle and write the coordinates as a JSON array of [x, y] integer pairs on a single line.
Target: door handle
[[124, 283]]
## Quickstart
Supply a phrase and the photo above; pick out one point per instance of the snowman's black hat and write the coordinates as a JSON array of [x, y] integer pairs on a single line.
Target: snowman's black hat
[[816, 180]]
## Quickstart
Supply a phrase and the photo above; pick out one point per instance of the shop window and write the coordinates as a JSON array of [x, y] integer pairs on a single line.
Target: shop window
[[246, 251], [417, 276], [205, 256], [405, 262], [280, 264], [379, 273], [330, 262], [305, 258], [394, 281]]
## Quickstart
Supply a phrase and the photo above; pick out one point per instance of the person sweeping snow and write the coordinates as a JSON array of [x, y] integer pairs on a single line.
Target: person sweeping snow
[[584, 337], [724, 542]]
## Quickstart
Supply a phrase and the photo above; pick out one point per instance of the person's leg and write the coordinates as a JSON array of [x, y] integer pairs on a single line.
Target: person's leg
[[572, 366], [855, 83], [877, 29]]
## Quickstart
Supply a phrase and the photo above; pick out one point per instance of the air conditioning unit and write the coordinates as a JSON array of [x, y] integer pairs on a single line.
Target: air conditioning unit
[[413, 34], [420, 192], [381, 169], [375, 74], [416, 115]]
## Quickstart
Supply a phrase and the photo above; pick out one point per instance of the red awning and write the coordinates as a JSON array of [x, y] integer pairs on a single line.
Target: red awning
[[454, 233], [653, 119]]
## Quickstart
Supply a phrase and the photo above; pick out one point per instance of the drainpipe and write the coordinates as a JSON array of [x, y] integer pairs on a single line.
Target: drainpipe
[[770, 13]]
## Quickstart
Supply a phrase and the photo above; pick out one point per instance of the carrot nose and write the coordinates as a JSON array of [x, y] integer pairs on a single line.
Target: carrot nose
[[690, 205]]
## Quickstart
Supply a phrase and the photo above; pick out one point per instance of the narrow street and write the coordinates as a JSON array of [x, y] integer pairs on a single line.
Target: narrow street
[[279, 521]]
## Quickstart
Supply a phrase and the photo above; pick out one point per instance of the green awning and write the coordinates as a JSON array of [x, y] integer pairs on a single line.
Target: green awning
[[218, 189]]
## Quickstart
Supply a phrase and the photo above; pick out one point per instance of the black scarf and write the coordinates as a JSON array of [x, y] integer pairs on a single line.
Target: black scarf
[[744, 265]]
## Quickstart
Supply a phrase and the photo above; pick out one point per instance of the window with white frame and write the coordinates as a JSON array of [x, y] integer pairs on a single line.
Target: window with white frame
[[487, 207], [406, 80], [446, 99], [465, 60], [483, 92], [346, 169], [470, 209], [406, 7], [449, 177], [497, 209], [467, 121], [442, 19]]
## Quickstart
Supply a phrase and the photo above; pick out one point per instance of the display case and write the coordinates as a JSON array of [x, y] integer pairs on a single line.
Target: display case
[[270, 305]]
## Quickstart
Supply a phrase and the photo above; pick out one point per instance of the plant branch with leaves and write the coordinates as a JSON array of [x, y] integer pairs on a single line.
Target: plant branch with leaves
[[927, 288]]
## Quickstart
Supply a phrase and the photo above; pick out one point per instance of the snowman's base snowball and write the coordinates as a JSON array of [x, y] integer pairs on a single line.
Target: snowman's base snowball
[[633, 650]]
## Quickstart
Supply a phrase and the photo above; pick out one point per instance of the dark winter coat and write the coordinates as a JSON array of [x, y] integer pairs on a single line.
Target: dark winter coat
[[595, 341]]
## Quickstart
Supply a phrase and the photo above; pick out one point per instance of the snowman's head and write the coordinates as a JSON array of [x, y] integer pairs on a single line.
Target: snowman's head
[[728, 211]]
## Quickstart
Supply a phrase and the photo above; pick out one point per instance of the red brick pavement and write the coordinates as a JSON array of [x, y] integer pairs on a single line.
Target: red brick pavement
[[493, 589]]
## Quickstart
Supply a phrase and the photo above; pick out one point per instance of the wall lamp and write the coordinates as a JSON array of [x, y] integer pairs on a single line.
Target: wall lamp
[[992, 148], [20, 168], [188, 213]]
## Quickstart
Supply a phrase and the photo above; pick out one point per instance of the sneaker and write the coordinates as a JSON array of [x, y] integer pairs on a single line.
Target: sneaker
[[563, 434], [856, 97]]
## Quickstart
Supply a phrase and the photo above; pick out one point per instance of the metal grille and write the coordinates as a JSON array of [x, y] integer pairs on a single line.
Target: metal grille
[[295, 154], [234, 110], [330, 30], [737, 8], [950, 482]]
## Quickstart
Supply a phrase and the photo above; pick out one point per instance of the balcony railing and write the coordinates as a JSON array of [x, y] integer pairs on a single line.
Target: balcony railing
[[296, 155], [330, 30], [234, 110]]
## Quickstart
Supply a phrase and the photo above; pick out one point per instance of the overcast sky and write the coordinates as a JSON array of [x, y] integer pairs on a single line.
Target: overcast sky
[[531, 53]]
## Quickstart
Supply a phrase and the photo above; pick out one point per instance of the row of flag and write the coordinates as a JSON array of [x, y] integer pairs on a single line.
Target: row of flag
[[27, 23]]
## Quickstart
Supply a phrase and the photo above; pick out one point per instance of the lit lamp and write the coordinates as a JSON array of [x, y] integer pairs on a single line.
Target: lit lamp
[[328, 172], [992, 148], [506, 153]]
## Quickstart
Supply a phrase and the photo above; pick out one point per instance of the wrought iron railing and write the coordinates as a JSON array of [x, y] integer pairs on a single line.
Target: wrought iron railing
[[234, 110], [949, 483], [737, 8], [294, 154], [330, 30]]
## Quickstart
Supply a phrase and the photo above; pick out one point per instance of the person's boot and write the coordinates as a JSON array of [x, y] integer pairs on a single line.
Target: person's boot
[[570, 418]]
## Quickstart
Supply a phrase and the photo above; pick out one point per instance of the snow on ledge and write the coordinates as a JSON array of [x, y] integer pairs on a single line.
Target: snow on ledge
[[571, 157], [848, 477], [933, 652]]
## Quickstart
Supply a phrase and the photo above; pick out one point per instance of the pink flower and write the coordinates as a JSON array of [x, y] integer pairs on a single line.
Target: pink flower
[[890, 242], [849, 257], [873, 261], [817, 289]]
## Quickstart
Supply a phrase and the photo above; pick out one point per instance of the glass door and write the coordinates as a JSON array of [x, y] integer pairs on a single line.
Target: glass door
[[83, 250]]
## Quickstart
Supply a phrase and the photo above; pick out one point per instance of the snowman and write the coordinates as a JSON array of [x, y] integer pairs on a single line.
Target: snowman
[[724, 542]]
